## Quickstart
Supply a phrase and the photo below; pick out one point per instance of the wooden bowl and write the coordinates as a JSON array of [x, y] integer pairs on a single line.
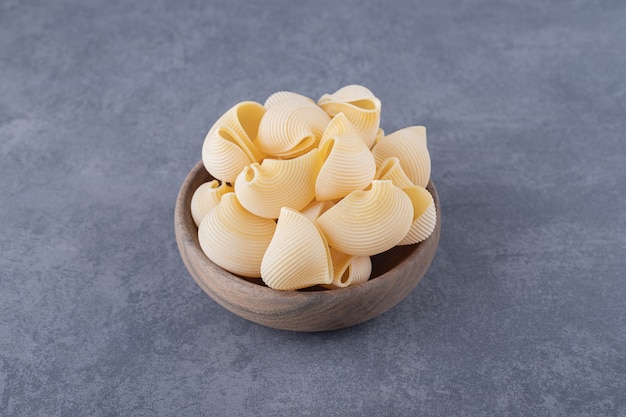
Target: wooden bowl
[[394, 274]]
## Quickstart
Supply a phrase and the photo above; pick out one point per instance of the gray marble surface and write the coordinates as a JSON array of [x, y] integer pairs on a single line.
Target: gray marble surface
[[103, 109]]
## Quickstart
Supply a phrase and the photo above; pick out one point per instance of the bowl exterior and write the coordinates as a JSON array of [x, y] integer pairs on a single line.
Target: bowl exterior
[[302, 310]]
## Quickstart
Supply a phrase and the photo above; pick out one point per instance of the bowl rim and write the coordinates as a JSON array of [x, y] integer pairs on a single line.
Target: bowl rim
[[184, 234], [302, 310]]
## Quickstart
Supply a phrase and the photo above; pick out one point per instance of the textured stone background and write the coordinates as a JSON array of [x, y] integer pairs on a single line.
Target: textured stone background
[[103, 109]]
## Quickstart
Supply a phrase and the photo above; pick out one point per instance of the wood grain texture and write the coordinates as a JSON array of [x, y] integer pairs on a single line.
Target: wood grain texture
[[394, 274]]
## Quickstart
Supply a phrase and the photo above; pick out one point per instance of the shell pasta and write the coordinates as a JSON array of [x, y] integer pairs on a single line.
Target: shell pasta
[[359, 105], [291, 127], [409, 146], [234, 238], [349, 269], [206, 198], [368, 222], [264, 189], [306, 192], [230, 144], [298, 255], [348, 163]]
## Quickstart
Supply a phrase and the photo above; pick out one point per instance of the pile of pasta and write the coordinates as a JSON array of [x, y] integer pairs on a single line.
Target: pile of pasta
[[306, 192]]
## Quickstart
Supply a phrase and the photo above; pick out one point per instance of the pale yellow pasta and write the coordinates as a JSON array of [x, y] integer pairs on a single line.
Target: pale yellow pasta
[[281, 95], [368, 222], [305, 192], [298, 255], [390, 169], [264, 188], [349, 269], [230, 144], [234, 238], [348, 163], [291, 127], [409, 146], [359, 105], [424, 215], [315, 209], [379, 136], [206, 198]]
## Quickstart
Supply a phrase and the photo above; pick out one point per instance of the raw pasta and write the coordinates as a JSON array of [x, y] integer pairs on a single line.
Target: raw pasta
[[230, 144], [348, 163], [291, 127], [264, 189], [298, 255], [315, 209], [424, 215], [359, 105], [409, 146], [306, 192], [349, 269], [368, 222], [390, 169], [234, 238], [206, 198], [281, 95]]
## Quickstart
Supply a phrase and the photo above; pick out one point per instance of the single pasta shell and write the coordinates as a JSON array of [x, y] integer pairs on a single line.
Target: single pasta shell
[[349, 269], [263, 189], [348, 163], [298, 255], [315, 209], [424, 215], [281, 95], [291, 127], [234, 238], [229, 145], [244, 119], [368, 222], [222, 156], [390, 169], [349, 93], [409, 146], [359, 105], [206, 198]]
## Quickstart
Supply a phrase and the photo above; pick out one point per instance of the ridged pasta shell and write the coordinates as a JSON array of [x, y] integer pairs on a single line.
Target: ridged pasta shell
[[315, 209], [409, 146], [281, 95], [206, 198], [390, 169], [263, 189], [348, 163], [359, 105], [424, 215], [291, 127], [379, 136], [234, 238], [298, 255], [368, 222], [229, 146], [349, 269]]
